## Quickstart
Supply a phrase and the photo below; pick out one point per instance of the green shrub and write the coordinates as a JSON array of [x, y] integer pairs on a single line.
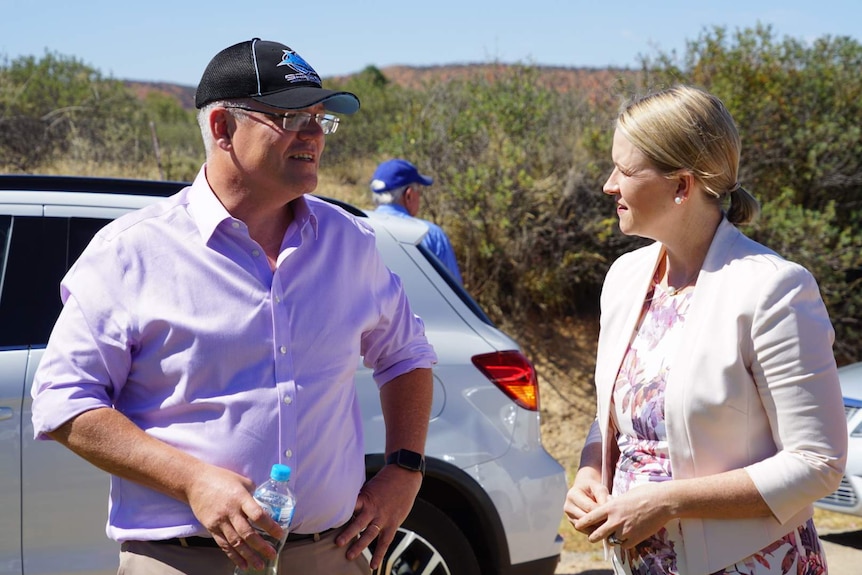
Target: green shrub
[[519, 164]]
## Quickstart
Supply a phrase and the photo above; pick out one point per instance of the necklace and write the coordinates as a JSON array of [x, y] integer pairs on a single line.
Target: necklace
[[672, 291]]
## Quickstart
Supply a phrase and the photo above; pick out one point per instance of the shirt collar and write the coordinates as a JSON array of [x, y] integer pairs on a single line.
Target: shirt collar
[[393, 209], [303, 214], [208, 212], [205, 207]]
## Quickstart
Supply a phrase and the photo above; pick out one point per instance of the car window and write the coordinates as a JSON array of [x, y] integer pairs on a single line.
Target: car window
[[5, 236], [38, 252]]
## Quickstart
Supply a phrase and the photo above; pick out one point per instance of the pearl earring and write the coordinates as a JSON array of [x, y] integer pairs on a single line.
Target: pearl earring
[[677, 200]]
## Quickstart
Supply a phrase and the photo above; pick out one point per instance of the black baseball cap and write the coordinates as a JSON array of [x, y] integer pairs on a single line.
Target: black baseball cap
[[270, 73]]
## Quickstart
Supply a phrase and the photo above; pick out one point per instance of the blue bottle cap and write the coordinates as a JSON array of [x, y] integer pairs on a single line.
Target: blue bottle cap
[[280, 472]]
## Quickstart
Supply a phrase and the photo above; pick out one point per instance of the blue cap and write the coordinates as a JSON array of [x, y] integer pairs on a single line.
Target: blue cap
[[397, 173], [280, 472]]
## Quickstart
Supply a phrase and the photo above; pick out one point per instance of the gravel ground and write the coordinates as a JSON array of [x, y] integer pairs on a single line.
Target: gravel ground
[[572, 563]]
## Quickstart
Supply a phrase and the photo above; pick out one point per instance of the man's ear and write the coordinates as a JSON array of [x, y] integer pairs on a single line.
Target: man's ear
[[222, 126]]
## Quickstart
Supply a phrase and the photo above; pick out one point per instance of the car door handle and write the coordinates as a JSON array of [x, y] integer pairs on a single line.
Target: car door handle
[[5, 413]]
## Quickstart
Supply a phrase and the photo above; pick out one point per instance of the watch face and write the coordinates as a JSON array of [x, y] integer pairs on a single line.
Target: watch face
[[410, 459]]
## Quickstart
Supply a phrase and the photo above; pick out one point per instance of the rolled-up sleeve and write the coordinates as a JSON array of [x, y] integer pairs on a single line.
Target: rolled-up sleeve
[[797, 380], [397, 344], [87, 358]]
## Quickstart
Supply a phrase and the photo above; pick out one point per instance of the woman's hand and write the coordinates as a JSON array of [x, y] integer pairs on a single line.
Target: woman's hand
[[587, 493], [631, 517]]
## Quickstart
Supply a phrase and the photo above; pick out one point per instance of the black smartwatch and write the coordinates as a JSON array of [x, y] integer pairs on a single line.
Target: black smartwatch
[[408, 460]]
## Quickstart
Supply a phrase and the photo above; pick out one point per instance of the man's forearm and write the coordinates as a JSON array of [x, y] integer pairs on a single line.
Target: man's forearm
[[406, 405], [110, 441]]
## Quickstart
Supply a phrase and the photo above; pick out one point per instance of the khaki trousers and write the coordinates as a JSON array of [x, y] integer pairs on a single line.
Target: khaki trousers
[[301, 557]]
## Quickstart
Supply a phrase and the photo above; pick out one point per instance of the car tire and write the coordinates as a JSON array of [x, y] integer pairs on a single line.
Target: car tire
[[428, 539]]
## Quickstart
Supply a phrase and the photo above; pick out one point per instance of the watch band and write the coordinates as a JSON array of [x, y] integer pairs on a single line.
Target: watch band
[[408, 460]]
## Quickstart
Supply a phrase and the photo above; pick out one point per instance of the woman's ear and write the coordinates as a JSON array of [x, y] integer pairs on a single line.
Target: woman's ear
[[684, 186]]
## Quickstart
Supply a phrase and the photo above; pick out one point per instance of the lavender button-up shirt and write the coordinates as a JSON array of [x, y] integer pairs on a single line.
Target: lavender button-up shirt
[[173, 316]]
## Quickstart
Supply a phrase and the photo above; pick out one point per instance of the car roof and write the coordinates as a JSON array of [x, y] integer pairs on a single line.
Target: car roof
[[30, 183], [26, 191], [53, 183]]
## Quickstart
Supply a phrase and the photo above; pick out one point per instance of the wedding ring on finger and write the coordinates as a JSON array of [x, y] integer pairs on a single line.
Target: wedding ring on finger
[[612, 539], [376, 526]]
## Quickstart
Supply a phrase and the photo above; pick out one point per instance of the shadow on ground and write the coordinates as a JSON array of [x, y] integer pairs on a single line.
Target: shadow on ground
[[847, 538]]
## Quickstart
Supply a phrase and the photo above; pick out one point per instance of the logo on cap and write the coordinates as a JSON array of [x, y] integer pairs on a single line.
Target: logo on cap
[[303, 72]]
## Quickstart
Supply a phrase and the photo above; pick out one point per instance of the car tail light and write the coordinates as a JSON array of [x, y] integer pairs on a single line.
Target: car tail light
[[513, 373]]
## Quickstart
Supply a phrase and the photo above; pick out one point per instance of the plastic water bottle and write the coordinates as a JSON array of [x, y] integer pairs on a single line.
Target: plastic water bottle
[[277, 499]]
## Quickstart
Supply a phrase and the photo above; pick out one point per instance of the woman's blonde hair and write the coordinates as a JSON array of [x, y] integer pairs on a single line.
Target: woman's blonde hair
[[686, 129]]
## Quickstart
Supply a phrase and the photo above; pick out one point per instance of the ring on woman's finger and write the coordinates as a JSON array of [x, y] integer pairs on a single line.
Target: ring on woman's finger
[[376, 526], [612, 539]]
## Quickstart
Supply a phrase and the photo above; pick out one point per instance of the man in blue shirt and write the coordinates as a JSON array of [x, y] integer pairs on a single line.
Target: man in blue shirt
[[397, 187]]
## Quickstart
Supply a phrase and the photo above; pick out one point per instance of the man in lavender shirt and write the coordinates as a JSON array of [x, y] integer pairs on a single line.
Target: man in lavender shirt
[[217, 332]]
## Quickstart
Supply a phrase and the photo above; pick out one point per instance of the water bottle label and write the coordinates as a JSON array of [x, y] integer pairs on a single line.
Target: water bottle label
[[282, 514], [271, 510]]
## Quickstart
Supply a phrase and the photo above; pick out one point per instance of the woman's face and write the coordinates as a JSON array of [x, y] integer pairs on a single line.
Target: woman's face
[[644, 196]]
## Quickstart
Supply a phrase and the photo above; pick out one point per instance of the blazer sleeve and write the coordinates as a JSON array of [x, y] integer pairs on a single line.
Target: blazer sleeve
[[796, 377]]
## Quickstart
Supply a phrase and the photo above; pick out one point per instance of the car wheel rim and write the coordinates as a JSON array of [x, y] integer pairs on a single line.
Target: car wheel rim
[[411, 554]]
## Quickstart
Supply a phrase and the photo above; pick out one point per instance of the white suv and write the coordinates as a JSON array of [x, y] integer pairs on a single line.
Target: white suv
[[492, 496], [848, 497]]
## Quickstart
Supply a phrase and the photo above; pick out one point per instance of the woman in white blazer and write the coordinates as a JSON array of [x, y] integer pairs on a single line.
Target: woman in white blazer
[[720, 418]]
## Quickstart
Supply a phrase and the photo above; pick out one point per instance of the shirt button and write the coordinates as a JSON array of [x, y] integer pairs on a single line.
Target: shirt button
[[288, 453], [288, 400], [255, 253], [235, 225], [277, 299], [282, 349]]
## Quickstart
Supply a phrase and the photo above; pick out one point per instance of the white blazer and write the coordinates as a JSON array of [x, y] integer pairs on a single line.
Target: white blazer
[[753, 386]]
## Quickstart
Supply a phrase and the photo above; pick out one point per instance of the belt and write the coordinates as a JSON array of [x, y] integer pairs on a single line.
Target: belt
[[210, 542]]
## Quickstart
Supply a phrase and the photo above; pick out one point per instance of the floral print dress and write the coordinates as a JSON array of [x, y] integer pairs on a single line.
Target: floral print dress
[[638, 414]]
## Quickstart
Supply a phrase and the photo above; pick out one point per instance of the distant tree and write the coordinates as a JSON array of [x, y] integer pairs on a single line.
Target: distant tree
[[175, 134], [518, 165], [501, 151], [51, 105], [364, 132], [832, 251], [797, 105]]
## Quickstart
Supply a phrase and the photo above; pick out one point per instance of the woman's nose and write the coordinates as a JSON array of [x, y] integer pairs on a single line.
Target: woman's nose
[[611, 186]]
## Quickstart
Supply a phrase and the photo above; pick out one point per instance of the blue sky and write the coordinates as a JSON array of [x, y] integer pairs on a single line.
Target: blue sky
[[158, 40]]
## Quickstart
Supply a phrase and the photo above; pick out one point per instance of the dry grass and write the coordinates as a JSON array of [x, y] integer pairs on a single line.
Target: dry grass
[[337, 182], [99, 170], [342, 183], [829, 522]]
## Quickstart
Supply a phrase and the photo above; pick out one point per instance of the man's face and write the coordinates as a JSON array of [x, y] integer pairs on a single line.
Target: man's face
[[272, 158]]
